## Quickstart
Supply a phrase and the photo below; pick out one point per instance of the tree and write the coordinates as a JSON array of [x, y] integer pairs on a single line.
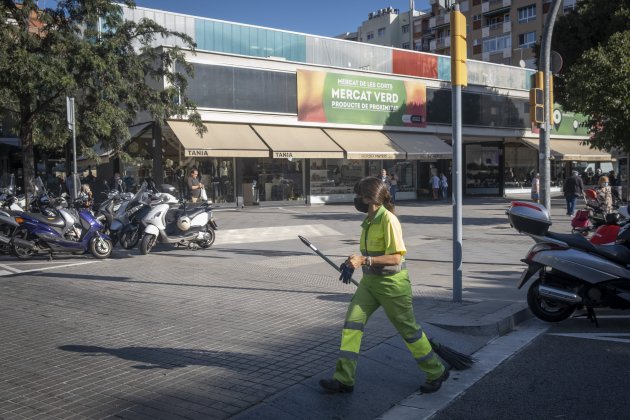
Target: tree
[[85, 49], [598, 85], [595, 79]]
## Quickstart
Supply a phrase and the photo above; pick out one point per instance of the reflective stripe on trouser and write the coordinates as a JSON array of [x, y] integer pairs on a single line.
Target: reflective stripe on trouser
[[399, 310]]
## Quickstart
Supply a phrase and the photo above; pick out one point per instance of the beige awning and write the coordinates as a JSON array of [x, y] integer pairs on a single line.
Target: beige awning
[[298, 142], [421, 146], [363, 144], [572, 150], [221, 140]]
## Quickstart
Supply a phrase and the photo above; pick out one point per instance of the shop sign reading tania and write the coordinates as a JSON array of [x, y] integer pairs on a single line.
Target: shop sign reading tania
[[197, 152], [351, 99]]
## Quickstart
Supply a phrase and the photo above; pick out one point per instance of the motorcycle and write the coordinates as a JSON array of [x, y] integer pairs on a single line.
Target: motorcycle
[[570, 272], [58, 229], [183, 226], [108, 209], [127, 224]]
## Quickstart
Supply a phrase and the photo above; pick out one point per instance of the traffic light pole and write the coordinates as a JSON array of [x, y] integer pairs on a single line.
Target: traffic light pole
[[459, 78], [544, 136]]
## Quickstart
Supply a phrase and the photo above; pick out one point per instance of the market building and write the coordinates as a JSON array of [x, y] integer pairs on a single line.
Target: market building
[[296, 118]]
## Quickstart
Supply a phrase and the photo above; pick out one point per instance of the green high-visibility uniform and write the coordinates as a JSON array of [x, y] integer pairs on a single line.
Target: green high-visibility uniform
[[390, 288]]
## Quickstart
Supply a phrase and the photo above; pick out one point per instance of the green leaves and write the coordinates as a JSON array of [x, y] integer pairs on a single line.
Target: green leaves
[[595, 44], [86, 50]]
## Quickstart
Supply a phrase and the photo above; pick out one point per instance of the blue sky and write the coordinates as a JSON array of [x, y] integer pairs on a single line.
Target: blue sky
[[323, 17]]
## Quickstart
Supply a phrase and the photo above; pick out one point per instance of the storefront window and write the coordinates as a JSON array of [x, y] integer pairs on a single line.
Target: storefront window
[[335, 176], [520, 165], [403, 169], [217, 175], [278, 179], [482, 169]]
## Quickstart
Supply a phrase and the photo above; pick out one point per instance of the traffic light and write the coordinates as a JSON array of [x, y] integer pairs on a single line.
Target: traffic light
[[536, 106], [459, 72]]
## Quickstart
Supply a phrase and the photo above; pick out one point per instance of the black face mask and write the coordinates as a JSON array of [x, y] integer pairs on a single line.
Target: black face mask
[[360, 205]]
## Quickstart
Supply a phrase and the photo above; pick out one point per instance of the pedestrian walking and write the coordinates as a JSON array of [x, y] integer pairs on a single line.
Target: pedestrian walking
[[604, 194], [443, 186], [435, 186], [194, 185], [385, 283], [536, 188], [572, 188], [393, 186], [384, 178]]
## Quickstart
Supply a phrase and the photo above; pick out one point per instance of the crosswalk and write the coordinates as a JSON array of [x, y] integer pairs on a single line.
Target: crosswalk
[[271, 234]]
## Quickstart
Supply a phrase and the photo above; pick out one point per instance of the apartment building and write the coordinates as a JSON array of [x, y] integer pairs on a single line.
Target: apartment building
[[499, 31], [387, 27]]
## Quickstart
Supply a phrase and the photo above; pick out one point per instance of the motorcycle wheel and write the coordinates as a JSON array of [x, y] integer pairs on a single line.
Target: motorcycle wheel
[[546, 309], [130, 239], [208, 242], [101, 248], [21, 253], [147, 243]]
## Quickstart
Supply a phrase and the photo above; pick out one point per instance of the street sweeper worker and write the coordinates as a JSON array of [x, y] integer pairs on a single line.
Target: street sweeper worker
[[385, 283]]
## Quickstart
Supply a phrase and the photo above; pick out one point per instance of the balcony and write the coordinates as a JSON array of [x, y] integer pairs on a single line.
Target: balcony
[[493, 7], [495, 29], [438, 21], [440, 43]]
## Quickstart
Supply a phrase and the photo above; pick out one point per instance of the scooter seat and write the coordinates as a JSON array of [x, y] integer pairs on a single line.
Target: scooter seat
[[52, 221], [616, 253]]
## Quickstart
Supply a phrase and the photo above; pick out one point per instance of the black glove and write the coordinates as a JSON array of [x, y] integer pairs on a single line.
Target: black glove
[[346, 273]]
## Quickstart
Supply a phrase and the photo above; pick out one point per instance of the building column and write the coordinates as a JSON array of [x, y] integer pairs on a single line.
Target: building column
[[158, 155]]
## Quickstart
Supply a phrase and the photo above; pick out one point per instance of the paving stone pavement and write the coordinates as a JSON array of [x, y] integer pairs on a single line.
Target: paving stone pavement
[[248, 327]]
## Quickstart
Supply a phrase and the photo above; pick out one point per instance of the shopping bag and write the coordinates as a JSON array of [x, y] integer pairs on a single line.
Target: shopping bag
[[203, 196]]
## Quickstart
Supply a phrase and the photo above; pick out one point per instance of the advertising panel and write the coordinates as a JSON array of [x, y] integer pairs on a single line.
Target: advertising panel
[[349, 99]]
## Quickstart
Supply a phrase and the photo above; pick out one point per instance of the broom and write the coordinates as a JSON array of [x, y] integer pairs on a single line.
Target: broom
[[456, 360]]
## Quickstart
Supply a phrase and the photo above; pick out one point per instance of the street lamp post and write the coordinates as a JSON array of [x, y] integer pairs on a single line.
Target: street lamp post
[[544, 136]]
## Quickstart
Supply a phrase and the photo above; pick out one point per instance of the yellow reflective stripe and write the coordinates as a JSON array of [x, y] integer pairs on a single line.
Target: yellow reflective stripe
[[351, 340]]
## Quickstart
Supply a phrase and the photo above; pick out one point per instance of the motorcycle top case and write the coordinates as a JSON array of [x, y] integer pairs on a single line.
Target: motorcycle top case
[[528, 217]]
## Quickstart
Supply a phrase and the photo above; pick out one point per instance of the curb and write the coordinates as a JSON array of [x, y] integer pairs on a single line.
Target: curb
[[487, 325]]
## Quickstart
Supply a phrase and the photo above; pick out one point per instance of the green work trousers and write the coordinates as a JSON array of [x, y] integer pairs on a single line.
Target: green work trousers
[[393, 293]]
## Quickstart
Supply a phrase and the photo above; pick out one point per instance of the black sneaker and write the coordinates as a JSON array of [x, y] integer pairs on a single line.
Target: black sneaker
[[433, 385], [333, 386]]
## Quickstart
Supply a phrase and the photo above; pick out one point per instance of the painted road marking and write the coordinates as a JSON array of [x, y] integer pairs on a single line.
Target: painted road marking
[[488, 358], [11, 271], [272, 234], [610, 336]]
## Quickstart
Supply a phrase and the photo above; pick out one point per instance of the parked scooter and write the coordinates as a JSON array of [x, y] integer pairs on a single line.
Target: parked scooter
[[127, 224], [58, 230], [8, 225], [186, 226], [571, 272]]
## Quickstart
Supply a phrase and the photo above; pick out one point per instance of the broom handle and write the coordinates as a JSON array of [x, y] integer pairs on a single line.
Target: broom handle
[[325, 258]]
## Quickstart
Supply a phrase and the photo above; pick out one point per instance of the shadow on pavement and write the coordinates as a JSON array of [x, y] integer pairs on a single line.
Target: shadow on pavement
[[167, 357]]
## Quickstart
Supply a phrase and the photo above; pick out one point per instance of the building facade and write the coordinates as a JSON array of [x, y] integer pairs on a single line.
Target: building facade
[[499, 31], [295, 118]]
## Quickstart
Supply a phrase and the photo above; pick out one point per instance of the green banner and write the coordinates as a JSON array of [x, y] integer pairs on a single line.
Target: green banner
[[350, 99]]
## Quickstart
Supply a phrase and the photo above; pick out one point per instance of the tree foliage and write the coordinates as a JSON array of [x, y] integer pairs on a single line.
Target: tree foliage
[[86, 50], [598, 86], [594, 43]]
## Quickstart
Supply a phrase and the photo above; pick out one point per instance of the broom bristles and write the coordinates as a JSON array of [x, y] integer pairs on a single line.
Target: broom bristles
[[457, 360]]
